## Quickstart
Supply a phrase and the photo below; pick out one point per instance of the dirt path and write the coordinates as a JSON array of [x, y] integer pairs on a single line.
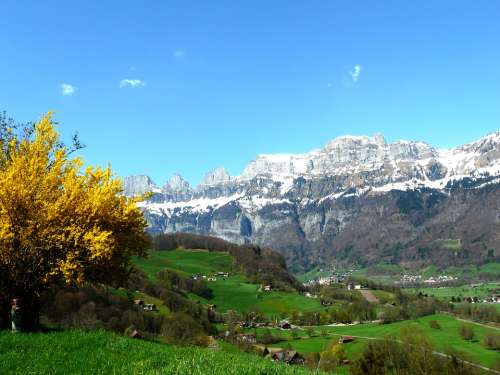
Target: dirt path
[[369, 296]]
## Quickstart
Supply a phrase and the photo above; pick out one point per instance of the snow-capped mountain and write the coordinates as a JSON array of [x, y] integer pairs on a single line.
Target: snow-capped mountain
[[282, 194]]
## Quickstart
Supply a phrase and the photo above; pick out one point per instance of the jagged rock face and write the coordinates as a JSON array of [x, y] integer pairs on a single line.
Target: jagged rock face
[[357, 199], [216, 177], [177, 185], [138, 185]]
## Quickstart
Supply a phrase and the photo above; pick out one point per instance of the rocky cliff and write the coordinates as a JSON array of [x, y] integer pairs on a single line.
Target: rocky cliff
[[358, 199]]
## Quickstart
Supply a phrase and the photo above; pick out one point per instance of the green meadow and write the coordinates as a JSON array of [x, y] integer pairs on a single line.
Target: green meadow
[[477, 290], [230, 293], [99, 352], [443, 340], [186, 262]]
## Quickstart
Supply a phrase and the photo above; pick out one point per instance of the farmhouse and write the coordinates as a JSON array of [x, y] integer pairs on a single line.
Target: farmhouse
[[246, 338], [346, 339], [149, 307], [284, 324], [352, 286], [136, 334], [287, 356]]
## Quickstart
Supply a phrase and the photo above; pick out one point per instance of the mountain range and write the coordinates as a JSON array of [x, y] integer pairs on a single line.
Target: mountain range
[[358, 200]]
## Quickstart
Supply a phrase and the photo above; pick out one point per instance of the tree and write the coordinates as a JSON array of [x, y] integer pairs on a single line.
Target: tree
[[466, 331], [332, 356], [58, 221], [434, 324]]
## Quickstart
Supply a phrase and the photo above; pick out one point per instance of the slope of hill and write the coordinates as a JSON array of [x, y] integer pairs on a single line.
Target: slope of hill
[[77, 352], [232, 292], [359, 199]]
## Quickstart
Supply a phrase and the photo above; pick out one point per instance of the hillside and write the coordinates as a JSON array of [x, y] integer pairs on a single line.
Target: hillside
[[358, 200], [77, 352], [232, 292]]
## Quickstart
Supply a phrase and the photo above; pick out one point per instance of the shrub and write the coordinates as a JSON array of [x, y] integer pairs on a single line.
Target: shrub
[[434, 324], [332, 356], [492, 340], [268, 338], [466, 332], [180, 328]]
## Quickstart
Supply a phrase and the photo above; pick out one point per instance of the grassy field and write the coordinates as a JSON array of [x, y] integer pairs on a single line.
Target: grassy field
[[443, 339], [76, 352], [315, 273], [186, 262], [237, 294], [389, 273], [233, 292], [445, 293]]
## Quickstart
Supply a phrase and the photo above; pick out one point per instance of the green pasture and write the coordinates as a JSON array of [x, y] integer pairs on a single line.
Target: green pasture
[[99, 352], [186, 262], [230, 293], [480, 290], [443, 340]]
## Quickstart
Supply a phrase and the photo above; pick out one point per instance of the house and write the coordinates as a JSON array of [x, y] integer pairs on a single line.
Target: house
[[290, 357], [346, 339], [136, 334], [149, 307], [266, 288], [352, 286], [246, 338], [284, 324], [247, 325], [211, 306]]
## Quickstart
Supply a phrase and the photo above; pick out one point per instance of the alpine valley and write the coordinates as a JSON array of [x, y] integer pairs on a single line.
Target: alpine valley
[[359, 200]]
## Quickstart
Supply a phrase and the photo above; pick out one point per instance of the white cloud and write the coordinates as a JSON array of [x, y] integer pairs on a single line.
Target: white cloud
[[67, 89], [178, 53], [132, 83], [355, 73]]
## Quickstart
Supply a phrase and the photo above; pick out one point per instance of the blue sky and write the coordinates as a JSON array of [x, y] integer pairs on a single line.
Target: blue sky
[[158, 87]]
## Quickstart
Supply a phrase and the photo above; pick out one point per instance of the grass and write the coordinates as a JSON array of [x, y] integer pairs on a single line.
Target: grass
[[443, 339], [186, 262], [230, 293], [76, 352], [445, 293], [237, 294]]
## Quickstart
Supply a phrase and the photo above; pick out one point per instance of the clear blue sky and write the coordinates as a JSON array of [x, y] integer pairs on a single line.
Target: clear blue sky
[[211, 83]]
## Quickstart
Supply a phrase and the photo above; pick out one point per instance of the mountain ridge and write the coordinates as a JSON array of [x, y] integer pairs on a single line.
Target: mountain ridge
[[301, 198], [400, 149]]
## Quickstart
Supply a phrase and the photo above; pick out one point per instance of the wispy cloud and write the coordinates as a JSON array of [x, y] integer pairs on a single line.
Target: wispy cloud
[[67, 89], [178, 53], [355, 73], [132, 83]]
